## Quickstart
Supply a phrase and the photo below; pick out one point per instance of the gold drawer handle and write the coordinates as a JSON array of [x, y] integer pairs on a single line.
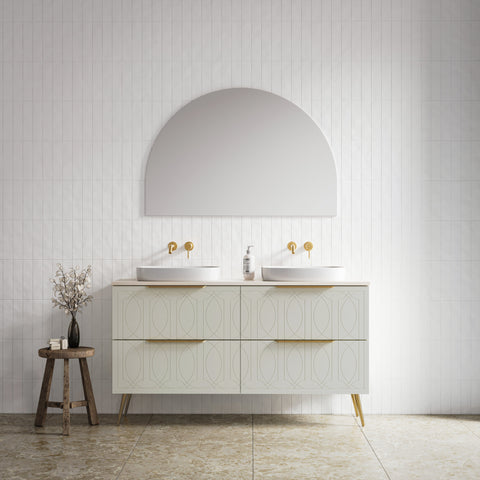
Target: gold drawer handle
[[303, 341], [175, 340], [304, 286], [175, 286]]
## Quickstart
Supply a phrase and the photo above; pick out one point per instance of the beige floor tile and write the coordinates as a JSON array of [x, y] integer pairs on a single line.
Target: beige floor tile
[[193, 447], [424, 447], [220, 446], [90, 452], [305, 420], [311, 447]]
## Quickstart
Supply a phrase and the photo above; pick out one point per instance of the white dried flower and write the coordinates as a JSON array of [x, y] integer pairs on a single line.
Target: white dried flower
[[69, 288]]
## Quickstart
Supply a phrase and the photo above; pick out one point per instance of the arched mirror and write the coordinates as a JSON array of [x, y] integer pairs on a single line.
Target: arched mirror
[[244, 152]]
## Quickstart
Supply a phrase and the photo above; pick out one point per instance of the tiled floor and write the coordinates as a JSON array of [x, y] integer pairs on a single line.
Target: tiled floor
[[242, 447]]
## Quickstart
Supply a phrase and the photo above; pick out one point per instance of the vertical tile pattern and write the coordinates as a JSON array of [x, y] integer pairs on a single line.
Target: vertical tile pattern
[[85, 87]]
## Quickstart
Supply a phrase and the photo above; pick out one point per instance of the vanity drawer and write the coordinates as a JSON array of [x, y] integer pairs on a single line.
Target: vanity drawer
[[176, 367], [305, 313], [176, 312], [304, 367]]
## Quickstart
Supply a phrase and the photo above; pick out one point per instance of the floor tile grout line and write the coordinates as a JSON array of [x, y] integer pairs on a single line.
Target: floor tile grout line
[[469, 429], [371, 447], [253, 449], [134, 446]]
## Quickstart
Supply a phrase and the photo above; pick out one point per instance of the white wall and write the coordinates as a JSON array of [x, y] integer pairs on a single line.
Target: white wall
[[86, 85]]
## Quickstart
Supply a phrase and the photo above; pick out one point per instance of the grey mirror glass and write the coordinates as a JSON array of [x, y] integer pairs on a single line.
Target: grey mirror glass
[[243, 152]]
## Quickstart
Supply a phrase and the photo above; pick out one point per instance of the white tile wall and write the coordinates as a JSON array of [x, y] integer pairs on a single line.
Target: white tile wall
[[85, 85]]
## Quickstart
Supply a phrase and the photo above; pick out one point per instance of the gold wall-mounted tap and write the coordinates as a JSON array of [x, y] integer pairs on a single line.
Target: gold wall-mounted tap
[[292, 246], [308, 246], [188, 247], [172, 246]]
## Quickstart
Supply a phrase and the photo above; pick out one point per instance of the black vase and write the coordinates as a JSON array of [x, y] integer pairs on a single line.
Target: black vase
[[73, 332]]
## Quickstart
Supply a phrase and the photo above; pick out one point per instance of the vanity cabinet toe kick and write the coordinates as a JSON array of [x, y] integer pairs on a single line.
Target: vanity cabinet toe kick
[[240, 339]]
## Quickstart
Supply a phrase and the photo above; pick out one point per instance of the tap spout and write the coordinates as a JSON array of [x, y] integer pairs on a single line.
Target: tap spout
[[292, 246], [172, 246]]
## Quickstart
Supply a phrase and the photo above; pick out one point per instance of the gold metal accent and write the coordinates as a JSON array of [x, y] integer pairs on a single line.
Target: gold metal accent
[[308, 246], [124, 404], [292, 246], [175, 286], [354, 404], [357, 404], [127, 405], [360, 410], [304, 286], [175, 340], [188, 247], [172, 246], [301, 340]]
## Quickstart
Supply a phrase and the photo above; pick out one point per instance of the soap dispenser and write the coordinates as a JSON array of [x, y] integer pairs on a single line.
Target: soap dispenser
[[249, 265]]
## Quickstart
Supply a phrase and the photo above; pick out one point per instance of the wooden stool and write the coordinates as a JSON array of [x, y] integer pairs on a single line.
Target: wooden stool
[[71, 353]]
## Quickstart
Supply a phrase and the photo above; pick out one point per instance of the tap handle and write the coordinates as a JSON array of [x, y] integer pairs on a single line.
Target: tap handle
[[308, 246], [292, 246], [188, 247]]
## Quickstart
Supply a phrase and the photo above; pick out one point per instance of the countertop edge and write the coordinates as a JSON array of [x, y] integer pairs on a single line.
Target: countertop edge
[[232, 283]]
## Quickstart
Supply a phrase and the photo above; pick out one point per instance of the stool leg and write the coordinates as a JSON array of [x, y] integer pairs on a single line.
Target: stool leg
[[44, 393], [66, 397], [88, 391]]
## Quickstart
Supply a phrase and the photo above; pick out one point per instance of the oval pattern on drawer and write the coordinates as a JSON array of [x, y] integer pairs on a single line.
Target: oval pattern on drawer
[[348, 364], [133, 318], [268, 363], [295, 364], [213, 363], [349, 316], [186, 364], [160, 364], [267, 318], [322, 365], [160, 320], [294, 319], [322, 319], [133, 364], [214, 317], [186, 317]]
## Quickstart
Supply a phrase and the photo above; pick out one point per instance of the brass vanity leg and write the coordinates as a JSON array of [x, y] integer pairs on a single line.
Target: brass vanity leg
[[354, 401], [122, 405], [359, 406], [129, 397]]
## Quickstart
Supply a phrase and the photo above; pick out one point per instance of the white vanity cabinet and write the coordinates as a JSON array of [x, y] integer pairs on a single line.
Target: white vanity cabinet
[[316, 312], [171, 312], [203, 366], [304, 339], [248, 337], [169, 339]]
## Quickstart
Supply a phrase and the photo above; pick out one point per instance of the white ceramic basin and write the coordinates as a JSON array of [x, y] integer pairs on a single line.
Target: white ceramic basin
[[206, 273], [304, 274]]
